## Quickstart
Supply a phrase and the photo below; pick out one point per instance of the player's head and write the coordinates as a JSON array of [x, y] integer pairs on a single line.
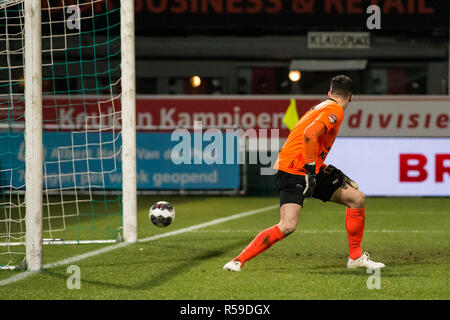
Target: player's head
[[342, 86]]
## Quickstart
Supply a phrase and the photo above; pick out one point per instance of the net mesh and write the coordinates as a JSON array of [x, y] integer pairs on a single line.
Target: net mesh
[[81, 120]]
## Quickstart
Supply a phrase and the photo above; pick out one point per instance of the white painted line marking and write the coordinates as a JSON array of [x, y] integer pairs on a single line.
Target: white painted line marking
[[325, 231]]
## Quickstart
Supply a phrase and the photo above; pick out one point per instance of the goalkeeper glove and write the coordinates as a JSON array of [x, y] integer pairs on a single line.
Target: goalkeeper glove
[[343, 178], [351, 182], [310, 179]]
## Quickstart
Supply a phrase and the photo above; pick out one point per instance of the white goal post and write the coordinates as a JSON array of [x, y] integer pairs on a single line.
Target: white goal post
[[128, 67], [34, 128], [33, 135]]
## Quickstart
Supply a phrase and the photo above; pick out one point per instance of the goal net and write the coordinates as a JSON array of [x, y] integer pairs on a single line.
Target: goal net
[[81, 124]]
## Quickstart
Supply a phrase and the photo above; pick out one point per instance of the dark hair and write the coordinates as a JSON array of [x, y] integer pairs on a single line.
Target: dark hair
[[342, 86]]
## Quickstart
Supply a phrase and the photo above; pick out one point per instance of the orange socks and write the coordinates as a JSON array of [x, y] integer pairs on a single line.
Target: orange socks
[[354, 223], [263, 241]]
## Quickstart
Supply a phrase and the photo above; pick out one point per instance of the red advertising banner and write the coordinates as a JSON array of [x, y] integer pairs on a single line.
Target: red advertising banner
[[169, 113], [245, 113], [366, 116]]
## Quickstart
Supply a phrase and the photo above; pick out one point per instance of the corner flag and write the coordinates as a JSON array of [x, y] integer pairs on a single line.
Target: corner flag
[[291, 116]]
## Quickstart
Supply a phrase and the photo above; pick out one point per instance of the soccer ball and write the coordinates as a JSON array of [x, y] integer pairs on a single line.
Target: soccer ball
[[162, 214]]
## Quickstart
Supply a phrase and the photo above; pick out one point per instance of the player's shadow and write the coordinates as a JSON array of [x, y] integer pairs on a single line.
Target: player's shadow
[[164, 275]]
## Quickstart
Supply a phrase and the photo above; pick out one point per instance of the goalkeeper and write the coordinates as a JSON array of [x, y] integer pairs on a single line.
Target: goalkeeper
[[302, 173]]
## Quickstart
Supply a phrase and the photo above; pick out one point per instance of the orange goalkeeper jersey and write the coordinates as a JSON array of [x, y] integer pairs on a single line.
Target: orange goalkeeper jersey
[[291, 157]]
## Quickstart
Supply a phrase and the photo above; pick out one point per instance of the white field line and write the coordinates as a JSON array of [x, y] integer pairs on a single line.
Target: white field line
[[409, 213], [327, 231], [58, 242], [97, 252]]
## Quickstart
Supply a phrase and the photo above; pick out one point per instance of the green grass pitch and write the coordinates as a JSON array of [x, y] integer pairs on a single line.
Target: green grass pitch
[[410, 235]]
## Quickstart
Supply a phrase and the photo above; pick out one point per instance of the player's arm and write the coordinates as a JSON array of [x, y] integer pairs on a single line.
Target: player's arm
[[310, 137]]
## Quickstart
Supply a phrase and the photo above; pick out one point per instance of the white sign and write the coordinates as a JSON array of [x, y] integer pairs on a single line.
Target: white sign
[[338, 40], [395, 166]]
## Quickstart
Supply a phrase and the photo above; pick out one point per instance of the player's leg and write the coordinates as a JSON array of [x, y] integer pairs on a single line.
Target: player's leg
[[289, 213], [291, 200], [332, 186], [354, 200]]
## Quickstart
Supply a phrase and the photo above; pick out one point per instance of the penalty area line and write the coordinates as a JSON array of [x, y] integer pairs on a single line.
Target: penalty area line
[[26, 274]]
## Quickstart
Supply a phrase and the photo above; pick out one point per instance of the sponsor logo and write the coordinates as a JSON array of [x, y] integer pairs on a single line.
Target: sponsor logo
[[333, 118]]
